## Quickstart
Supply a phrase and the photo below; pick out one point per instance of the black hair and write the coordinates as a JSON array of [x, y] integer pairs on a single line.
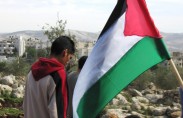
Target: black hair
[[81, 62], [60, 44]]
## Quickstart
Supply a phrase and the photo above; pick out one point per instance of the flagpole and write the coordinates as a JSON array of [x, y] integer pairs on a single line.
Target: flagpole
[[177, 73]]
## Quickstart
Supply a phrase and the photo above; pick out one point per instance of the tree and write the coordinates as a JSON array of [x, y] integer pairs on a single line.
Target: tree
[[31, 54], [55, 31], [18, 67], [143, 80], [2, 66], [41, 53]]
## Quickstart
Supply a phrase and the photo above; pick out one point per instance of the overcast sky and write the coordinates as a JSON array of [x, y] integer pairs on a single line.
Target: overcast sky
[[84, 15]]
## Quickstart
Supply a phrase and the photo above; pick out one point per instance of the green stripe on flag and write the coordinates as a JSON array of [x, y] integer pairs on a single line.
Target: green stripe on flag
[[143, 55]]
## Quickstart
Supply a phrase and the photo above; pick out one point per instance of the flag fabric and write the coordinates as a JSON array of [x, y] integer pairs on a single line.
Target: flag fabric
[[128, 45]]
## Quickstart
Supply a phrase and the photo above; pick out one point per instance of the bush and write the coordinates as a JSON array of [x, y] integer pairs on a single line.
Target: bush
[[143, 80], [165, 78], [3, 67], [18, 67], [162, 77], [10, 112]]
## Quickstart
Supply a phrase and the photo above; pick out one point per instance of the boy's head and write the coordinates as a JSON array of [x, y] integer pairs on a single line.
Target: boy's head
[[62, 49], [81, 62]]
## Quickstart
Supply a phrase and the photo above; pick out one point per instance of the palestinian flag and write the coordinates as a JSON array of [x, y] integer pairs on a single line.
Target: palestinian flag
[[128, 45]]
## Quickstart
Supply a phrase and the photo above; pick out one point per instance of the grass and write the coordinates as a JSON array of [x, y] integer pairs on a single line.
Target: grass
[[10, 111], [7, 97], [11, 107], [13, 100]]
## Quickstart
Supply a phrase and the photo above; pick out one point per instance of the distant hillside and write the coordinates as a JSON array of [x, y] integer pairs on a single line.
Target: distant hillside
[[80, 35], [84, 36], [26, 34], [174, 41]]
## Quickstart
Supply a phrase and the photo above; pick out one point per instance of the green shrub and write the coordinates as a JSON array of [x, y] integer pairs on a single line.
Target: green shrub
[[10, 111], [165, 78], [141, 82], [18, 67], [162, 77]]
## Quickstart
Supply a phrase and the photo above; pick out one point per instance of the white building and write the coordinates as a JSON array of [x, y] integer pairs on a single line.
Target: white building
[[177, 58], [34, 42], [20, 46], [6, 48], [84, 48]]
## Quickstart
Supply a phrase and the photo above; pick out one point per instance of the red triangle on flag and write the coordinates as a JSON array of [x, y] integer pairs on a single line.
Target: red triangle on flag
[[138, 20]]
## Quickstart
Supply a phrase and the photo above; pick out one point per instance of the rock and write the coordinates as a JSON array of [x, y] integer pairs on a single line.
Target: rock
[[114, 102], [5, 89], [7, 80], [177, 105], [137, 115], [136, 106], [128, 108], [122, 99], [151, 86], [153, 98], [171, 96], [159, 111], [147, 91], [135, 92], [133, 116], [110, 116], [15, 85], [134, 99], [175, 114], [140, 99], [114, 113], [18, 92], [144, 106], [159, 91]]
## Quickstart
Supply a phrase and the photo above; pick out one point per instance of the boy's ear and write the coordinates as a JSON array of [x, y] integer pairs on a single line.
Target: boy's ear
[[64, 53]]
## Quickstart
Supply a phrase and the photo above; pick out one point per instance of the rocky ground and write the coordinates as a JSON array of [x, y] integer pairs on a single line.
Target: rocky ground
[[148, 103], [11, 96]]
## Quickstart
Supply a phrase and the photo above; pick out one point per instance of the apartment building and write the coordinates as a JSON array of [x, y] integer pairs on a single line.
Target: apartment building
[[18, 44], [84, 48], [11, 45], [6, 48], [34, 42], [177, 58]]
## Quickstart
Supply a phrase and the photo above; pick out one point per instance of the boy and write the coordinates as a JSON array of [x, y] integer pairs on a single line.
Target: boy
[[46, 94]]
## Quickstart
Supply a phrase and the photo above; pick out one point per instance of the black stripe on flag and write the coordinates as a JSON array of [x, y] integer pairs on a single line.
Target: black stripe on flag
[[118, 11]]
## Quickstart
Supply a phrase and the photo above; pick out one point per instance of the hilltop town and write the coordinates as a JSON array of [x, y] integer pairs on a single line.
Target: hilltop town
[[15, 45]]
